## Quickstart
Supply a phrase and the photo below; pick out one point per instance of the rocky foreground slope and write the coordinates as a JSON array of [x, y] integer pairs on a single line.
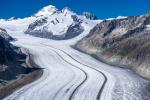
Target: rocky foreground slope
[[11, 59], [124, 42], [14, 69]]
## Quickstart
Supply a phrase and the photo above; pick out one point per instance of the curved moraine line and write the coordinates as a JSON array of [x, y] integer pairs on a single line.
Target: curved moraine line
[[23, 93], [86, 76], [103, 85]]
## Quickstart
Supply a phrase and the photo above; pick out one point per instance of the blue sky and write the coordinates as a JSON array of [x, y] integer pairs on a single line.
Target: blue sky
[[101, 8]]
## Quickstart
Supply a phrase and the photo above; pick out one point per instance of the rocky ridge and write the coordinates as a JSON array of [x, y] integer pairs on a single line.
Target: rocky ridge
[[124, 42]]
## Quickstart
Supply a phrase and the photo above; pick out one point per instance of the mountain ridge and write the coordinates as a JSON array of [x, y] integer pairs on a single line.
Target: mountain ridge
[[121, 42], [52, 23]]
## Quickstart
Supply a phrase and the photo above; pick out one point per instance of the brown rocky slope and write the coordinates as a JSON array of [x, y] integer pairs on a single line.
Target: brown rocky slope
[[14, 69], [123, 42]]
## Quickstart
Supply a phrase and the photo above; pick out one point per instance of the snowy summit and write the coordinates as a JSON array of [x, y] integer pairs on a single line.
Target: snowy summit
[[48, 10]]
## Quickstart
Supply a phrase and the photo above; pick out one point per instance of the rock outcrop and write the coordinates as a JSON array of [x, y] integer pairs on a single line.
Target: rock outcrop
[[11, 59], [89, 16]]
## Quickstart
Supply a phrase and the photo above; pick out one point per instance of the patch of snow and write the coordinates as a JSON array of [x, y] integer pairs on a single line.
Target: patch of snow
[[110, 19], [121, 17], [148, 27]]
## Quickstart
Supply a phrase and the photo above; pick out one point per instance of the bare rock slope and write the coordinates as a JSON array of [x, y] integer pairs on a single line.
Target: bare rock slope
[[11, 59], [124, 42]]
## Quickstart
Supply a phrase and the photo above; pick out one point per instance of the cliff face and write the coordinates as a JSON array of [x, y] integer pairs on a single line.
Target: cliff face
[[122, 42], [11, 59]]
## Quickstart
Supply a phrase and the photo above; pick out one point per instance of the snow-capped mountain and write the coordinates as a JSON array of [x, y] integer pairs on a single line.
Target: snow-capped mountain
[[49, 22], [57, 24], [54, 23]]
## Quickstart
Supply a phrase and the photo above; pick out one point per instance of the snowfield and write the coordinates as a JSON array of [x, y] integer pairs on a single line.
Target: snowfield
[[70, 74]]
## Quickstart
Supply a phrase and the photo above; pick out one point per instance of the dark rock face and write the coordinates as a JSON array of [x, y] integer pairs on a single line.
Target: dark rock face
[[39, 33], [11, 59], [37, 23], [3, 34], [89, 16], [74, 30], [121, 41]]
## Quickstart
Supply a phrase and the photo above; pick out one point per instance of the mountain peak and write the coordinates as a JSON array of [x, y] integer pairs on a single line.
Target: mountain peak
[[89, 15], [12, 18], [66, 10], [48, 10]]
